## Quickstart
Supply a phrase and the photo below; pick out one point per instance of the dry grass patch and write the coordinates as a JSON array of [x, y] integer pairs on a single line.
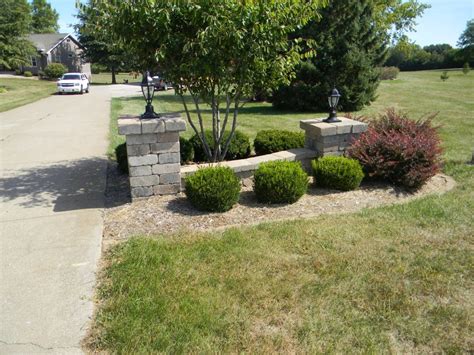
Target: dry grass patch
[[391, 279]]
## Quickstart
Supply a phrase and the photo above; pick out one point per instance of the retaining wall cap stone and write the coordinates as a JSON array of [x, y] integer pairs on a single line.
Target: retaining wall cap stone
[[129, 125]]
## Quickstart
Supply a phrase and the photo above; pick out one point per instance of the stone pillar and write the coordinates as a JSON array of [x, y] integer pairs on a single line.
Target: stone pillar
[[153, 154], [331, 138]]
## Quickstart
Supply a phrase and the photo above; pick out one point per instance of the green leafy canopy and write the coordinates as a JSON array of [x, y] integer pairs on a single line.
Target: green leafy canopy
[[219, 51], [15, 21], [44, 17]]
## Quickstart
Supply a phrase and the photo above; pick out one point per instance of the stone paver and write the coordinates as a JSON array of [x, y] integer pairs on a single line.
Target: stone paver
[[52, 175]]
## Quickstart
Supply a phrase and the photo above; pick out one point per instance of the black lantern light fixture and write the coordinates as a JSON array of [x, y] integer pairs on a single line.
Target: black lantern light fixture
[[333, 100], [148, 91]]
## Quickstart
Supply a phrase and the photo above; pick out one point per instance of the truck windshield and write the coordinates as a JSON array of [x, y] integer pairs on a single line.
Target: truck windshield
[[71, 77]]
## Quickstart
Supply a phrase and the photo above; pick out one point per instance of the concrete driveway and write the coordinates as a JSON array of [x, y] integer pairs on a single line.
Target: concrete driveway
[[53, 176]]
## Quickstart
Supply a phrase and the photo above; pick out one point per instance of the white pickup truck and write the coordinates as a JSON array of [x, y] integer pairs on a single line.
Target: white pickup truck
[[73, 82]]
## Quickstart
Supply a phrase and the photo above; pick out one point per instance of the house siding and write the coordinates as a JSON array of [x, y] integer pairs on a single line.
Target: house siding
[[67, 53]]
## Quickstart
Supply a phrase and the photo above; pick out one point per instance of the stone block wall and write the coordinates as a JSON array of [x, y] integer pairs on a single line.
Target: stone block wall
[[245, 168], [331, 138], [153, 154]]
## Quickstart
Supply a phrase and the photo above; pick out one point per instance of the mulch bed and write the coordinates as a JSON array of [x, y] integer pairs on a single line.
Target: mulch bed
[[170, 214]]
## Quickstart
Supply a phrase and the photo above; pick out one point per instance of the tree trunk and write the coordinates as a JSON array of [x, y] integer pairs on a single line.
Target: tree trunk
[[114, 79]]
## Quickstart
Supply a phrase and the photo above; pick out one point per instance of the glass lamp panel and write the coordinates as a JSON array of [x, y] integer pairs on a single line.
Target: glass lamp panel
[[149, 88], [333, 101]]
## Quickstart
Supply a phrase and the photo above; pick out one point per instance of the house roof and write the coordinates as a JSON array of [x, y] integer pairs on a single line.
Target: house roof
[[46, 42]]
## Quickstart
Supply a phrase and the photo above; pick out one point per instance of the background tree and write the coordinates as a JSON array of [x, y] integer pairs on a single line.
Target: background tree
[[407, 56], [99, 47], [349, 47], [466, 42], [219, 52], [351, 41], [15, 21], [467, 37], [44, 17]]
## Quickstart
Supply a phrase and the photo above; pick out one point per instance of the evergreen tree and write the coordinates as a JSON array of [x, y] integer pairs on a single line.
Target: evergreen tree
[[44, 17], [349, 47], [15, 21]]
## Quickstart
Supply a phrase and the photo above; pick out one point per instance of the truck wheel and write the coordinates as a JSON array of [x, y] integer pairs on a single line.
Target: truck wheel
[[82, 90], [88, 89]]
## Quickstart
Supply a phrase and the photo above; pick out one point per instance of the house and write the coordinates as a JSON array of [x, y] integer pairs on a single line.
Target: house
[[57, 48]]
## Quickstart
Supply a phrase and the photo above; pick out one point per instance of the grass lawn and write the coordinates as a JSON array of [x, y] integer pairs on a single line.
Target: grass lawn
[[418, 93], [106, 78], [396, 279], [20, 92]]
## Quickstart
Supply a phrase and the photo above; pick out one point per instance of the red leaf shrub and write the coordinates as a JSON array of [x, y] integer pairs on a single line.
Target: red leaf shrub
[[400, 150]]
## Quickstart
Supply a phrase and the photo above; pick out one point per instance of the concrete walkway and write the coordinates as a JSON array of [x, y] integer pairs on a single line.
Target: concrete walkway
[[53, 175]]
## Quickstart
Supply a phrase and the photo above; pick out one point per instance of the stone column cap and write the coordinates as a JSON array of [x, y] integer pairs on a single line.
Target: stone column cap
[[167, 122], [320, 128]]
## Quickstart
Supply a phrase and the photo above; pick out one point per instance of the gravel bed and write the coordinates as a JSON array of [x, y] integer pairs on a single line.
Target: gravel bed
[[169, 214]]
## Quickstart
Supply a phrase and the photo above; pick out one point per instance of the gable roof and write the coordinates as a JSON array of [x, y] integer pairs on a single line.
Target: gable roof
[[46, 42]]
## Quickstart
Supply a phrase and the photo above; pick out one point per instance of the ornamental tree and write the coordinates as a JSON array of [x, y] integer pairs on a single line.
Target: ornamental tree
[[220, 52]]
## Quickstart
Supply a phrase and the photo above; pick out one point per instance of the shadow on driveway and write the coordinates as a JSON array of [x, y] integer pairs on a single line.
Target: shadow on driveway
[[68, 186]]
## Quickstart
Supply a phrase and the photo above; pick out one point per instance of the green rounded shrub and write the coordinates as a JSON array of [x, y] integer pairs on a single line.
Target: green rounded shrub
[[337, 173], [274, 140], [280, 182], [27, 74], [55, 70], [18, 72], [214, 189], [239, 147], [186, 150], [121, 157]]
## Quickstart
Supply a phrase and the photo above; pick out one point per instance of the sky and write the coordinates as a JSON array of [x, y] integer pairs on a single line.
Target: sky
[[442, 23]]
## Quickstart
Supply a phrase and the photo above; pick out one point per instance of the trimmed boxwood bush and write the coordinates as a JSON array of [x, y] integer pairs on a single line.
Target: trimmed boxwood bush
[[338, 173], [274, 140], [121, 157], [186, 150], [214, 189], [55, 70], [400, 150], [239, 146], [27, 74], [280, 182]]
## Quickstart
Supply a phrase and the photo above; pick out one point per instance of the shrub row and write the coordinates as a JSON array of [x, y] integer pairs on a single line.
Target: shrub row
[[239, 147], [266, 142], [217, 189], [271, 141]]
